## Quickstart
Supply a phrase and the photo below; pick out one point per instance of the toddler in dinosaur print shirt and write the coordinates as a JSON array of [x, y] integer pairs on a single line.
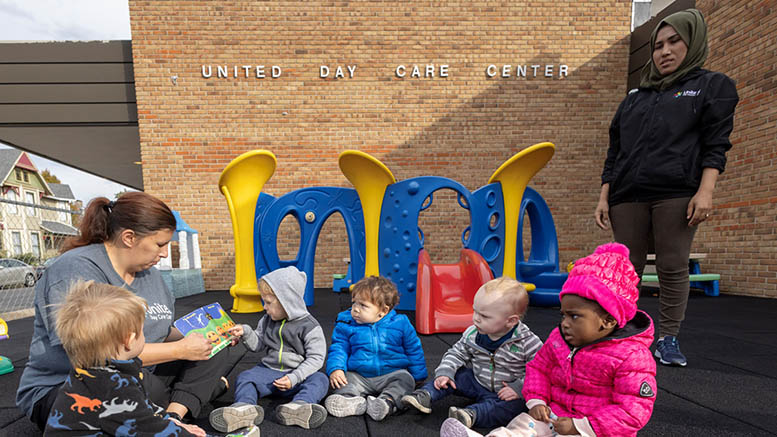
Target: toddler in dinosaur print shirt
[[101, 328]]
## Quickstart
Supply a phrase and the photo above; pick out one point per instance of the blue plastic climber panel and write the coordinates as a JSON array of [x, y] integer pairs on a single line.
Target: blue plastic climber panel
[[400, 238], [263, 203], [488, 241], [542, 267], [311, 207]]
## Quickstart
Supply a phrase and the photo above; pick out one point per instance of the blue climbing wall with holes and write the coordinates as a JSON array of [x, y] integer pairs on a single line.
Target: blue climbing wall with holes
[[488, 241], [400, 238], [311, 207]]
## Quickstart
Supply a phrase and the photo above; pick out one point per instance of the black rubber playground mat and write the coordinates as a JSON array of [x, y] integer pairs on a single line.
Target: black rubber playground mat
[[729, 387]]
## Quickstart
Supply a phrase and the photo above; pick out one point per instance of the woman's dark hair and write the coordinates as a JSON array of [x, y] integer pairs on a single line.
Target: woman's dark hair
[[103, 220]]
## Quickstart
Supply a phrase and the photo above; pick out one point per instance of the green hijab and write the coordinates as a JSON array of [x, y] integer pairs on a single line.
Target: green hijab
[[690, 25]]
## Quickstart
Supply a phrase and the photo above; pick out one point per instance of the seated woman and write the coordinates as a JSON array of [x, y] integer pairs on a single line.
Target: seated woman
[[119, 243]]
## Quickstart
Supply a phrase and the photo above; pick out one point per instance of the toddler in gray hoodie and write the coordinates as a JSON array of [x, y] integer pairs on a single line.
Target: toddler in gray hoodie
[[293, 348]]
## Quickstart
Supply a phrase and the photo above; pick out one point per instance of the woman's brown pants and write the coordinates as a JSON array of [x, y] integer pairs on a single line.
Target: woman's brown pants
[[661, 226]]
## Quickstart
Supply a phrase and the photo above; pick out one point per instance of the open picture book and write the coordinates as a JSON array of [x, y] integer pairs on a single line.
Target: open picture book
[[212, 322]]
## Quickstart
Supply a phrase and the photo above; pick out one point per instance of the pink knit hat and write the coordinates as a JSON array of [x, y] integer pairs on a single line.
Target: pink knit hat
[[607, 277]]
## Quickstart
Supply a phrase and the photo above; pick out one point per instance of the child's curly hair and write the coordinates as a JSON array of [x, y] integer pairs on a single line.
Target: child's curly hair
[[378, 290]]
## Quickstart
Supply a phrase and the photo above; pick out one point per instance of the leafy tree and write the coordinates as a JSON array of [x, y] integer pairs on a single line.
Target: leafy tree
[[50, 178], [77, 208]]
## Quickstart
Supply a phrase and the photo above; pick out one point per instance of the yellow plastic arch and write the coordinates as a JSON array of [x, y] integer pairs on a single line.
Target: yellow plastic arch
[[241, 182], [370, 178], [514, 175]]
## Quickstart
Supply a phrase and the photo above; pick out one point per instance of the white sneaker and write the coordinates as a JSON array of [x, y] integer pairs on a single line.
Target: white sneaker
[[342, 406], [453, 428], [236, 416]]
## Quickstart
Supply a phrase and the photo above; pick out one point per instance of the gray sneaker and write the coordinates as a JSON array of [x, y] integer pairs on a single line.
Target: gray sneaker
[[420, 399], [463, 415], [342, 406], [302, 414], [380, 407], [236, 416]]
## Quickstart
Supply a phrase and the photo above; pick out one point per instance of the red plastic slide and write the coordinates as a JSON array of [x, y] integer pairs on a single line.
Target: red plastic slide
[[444, 292]]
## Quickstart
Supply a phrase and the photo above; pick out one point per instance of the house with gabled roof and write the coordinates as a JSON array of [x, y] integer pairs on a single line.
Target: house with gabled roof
[[36, 215]]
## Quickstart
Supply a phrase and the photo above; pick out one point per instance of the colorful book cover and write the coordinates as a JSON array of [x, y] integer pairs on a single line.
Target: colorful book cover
[[212, 322]]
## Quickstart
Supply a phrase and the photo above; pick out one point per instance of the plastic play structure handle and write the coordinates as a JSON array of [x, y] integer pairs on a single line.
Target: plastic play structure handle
[[241, 182], [514, 175], [370, 177]]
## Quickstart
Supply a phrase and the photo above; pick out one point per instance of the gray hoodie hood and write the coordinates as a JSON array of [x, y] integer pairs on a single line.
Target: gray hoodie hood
[[288, 284]]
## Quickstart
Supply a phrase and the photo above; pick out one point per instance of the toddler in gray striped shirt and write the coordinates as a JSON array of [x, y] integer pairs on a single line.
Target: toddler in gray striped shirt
[[488, 363]]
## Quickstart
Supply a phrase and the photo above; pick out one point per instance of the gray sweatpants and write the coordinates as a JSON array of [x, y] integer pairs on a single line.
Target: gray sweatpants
[[395, 384], [632, 224]]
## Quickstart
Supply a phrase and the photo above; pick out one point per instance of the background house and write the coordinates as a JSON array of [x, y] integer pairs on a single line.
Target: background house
[[35, 215]]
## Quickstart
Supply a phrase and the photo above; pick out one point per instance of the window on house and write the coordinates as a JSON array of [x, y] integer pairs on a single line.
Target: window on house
[[30, 199], [18, 174], [26, 177], [16, 238], [35, 243], [62, 214], [640, 13], [11, 195]]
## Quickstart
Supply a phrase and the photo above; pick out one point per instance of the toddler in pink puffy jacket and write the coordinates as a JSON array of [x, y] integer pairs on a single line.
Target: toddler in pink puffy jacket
[[595, 375]]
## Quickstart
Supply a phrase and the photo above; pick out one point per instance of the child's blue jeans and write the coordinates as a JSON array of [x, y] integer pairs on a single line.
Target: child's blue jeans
[[256, 383], [490, 411]]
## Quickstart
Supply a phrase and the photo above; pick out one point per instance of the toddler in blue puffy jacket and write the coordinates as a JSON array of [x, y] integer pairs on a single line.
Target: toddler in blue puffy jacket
[[375, 352]]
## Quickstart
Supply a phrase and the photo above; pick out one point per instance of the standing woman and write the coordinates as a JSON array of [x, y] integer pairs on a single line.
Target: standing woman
[[668, 143], [119, 243]]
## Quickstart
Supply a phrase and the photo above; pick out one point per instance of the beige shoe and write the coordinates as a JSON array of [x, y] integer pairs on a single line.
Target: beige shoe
[[302, 414], [236, 416]]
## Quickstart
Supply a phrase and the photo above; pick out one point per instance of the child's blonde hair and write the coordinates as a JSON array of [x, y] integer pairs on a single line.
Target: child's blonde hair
[[511, 290], [96, 319], [378, 290], [264, 288]]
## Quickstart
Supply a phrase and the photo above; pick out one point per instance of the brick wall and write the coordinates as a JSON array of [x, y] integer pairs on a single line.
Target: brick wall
[[741, 236], [463, 126]]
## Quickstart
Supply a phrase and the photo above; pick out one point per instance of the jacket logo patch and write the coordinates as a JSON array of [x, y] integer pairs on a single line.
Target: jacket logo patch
[[687, 93], [646, 391]]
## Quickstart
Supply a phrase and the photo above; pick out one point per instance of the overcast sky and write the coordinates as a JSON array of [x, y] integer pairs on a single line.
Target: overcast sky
[[64, 20], [71, 20]]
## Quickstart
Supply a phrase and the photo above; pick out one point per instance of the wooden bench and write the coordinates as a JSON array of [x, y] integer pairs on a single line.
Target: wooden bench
[[709, 282]]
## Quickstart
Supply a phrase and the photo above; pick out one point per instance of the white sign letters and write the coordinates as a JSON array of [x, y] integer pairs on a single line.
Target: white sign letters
[[402, 71]]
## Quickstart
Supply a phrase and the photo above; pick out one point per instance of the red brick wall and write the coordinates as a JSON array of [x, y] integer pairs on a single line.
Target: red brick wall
[[463, 126], [741, 236]]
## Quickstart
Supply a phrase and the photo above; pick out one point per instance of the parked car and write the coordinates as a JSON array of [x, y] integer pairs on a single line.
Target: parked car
[[39, 269], [14, 273]]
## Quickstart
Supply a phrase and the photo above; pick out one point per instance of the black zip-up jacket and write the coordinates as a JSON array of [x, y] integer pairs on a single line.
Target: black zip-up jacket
[[660, 141]]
